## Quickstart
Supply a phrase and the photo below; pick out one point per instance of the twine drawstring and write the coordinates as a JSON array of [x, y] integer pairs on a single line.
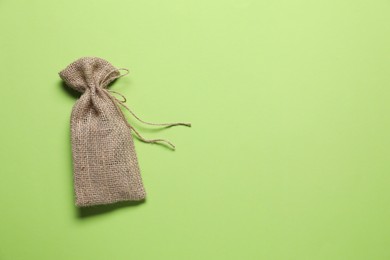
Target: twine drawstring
[[117, 102]]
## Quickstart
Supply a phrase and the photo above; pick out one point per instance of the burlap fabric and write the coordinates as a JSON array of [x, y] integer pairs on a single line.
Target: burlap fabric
[[104, 160]]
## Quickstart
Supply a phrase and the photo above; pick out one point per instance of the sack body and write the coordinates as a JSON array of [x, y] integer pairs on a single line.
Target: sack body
[[105, 163]]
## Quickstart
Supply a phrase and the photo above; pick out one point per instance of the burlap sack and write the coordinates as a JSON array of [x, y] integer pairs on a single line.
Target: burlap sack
[[104, 160]]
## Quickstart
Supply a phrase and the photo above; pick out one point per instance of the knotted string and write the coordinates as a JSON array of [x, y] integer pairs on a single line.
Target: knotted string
[[117, 102]]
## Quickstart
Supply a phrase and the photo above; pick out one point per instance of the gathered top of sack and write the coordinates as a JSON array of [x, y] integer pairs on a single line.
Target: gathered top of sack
[[89, 72]]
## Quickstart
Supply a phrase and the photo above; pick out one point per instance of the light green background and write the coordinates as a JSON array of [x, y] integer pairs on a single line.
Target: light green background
[[288, 156]]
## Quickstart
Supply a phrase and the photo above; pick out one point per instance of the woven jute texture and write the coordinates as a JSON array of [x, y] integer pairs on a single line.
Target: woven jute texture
[[105, 164]]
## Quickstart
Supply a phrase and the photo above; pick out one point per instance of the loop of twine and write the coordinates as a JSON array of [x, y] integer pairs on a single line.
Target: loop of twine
[[103, 81], [117, 102]]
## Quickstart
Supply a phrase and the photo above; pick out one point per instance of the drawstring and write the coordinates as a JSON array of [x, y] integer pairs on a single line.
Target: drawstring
[[121, 102], [103, 81]]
